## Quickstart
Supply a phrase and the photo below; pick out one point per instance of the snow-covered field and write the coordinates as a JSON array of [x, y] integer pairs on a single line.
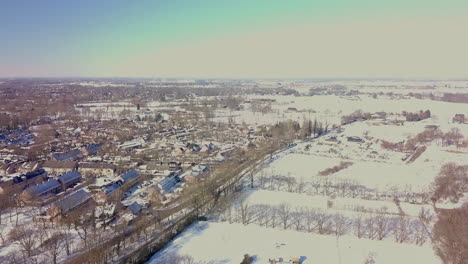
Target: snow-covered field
[[389, 187], [225, 243]]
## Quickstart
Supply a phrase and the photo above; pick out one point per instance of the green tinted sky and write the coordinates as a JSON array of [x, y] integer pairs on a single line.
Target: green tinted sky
[[208, 38]]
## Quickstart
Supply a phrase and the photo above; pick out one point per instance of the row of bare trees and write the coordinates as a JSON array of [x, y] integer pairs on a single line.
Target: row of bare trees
[[376, 226], [334, 187]]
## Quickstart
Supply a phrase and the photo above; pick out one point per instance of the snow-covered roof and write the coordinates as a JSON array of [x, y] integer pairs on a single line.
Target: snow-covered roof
[[69, 176], [72, 201], [42, 188], [129, 175]]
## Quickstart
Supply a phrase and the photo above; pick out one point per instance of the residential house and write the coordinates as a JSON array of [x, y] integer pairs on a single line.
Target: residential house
[[135, 208], [59, 167], [126, 178], [129, 176], [44, 189], [25, 180], [69, 179], [71, 155], [198, 172], [169, 182], [174, 165], [69, 203], [91, 149], [97, 169], [132, 144]]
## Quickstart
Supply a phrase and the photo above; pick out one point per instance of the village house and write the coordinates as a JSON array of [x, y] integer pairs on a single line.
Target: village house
[[69, 179], [97, 169], [135, 208], [126, 178], [90, 150], [69, 203], [42, 190], [74, 154], [197, 173], [24, 181], [132, 144], [59, 167], [169, 182]]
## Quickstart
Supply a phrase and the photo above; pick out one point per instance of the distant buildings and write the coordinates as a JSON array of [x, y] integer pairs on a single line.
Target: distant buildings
[[71, 155], [132, 144]]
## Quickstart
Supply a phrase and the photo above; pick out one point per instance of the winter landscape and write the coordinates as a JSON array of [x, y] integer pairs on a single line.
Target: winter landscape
[[233, 132]]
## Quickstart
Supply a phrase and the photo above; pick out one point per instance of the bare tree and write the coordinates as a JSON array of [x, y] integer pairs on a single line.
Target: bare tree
[[309, 216], [359, 226], [370, 227], [323, 222], [26, 237], [245, 213], [297, 217], [54, 245], [402, 230], [274, 215], [262, 214], [341, 223], [381, 224], [284, 213]]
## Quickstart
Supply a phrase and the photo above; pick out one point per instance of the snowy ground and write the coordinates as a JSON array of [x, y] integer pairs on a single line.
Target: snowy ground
[[381, 174], [226, 243]]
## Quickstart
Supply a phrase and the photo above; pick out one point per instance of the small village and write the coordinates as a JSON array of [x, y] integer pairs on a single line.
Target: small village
[[117, 174]]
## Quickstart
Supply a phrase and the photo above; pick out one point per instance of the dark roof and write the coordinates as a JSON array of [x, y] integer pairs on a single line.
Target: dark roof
[[35, 173], [69, 176], [113, 187], [72, 201], [355, 139], [129, 175], [92, 149], [135, 208], [69, 155], [169, 182], [43, 187]]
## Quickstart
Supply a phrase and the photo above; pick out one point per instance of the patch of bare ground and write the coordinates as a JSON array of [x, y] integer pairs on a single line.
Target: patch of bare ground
[[343, 165]]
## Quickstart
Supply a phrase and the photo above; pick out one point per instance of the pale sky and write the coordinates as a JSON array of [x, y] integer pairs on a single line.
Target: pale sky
[[235, 39]]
